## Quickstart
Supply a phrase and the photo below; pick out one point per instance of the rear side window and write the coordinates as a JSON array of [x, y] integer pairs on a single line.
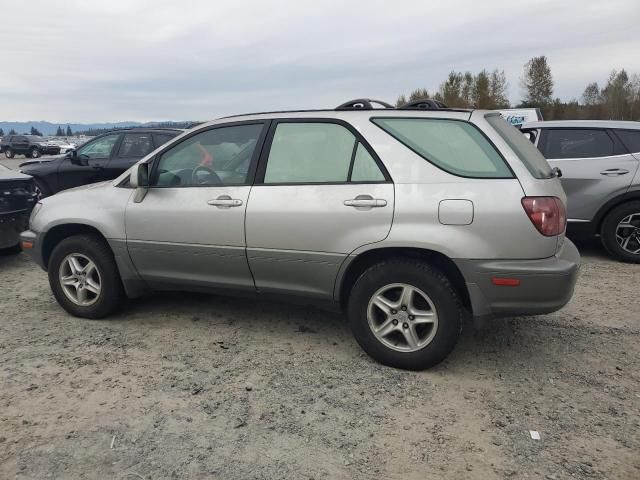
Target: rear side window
[[576, 143], [452, 145], [528, 154], [631, 139]]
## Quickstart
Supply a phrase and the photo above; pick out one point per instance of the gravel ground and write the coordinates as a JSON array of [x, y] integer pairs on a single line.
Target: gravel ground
[[195, 386]]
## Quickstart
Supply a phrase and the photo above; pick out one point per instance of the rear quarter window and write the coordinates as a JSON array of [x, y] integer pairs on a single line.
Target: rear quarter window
[[528, 154], [631, 139], [455, 146]]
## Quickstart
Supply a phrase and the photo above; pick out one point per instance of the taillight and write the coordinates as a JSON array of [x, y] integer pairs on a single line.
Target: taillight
[[547, 214]]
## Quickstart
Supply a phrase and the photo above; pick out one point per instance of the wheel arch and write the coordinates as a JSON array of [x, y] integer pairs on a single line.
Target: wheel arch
[[59, 232], [629, 196], [364, 260]]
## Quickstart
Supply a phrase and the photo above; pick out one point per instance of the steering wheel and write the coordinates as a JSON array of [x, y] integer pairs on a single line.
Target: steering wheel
[[211, 175]]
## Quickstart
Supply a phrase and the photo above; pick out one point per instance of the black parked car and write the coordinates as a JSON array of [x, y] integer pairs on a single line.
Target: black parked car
[[17, 198], [102, 158], [31, 146]]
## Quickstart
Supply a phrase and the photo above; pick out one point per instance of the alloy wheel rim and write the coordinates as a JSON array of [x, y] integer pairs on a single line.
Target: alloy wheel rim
[[80, 279], [402, 317], [628, 233]]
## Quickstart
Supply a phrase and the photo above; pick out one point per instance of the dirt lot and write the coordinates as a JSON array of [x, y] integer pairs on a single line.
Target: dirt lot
[[192, 386]]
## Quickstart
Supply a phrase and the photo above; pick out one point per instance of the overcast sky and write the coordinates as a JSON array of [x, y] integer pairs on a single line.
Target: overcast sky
[[111, 60]]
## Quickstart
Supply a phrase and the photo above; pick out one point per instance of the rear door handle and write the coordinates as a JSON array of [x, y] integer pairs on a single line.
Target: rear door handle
[[614, 172], [365, 201], [225, 201]]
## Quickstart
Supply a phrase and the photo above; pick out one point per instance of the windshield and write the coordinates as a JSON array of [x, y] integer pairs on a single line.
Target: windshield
[[523, 148]]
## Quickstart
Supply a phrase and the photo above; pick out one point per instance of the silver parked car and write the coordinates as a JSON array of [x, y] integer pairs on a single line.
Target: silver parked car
[[599, 162], [404, 218]]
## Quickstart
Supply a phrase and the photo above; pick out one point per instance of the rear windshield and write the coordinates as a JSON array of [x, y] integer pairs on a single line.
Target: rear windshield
[[455, 146], [521, 146]]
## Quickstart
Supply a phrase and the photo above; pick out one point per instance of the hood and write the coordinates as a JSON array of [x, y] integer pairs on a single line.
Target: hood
[[91, 186], [36, 161], [6, 174]]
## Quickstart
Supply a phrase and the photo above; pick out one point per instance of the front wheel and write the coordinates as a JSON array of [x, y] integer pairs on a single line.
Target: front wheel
[[405, 314], [35, 153], [620, 232], [8, 153], [41, 189], [84, 277]]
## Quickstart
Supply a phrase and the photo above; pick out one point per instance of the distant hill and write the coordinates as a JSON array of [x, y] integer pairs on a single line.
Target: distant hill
[[48, 128]]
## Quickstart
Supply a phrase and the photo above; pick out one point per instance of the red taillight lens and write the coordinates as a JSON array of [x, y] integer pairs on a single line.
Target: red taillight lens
[[547, 214]]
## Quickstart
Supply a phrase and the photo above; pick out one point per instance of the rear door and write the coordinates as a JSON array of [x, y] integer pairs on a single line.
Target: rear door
[[132, 148], [595, 166], [320, 193]]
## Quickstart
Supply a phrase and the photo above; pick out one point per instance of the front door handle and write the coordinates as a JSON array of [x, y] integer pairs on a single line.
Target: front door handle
[[614, 172], [225, 201], [365, 201]]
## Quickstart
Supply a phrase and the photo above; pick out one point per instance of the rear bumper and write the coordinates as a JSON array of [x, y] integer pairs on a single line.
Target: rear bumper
[[545, 285]]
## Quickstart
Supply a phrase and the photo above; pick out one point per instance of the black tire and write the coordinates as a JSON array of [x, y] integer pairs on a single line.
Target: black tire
[[35, 153], [43, 189], [609, 227], [8, 153], [430, 281], [96, 249]]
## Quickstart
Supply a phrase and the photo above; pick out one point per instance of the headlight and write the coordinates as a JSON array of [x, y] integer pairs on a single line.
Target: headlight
[[34, 212]]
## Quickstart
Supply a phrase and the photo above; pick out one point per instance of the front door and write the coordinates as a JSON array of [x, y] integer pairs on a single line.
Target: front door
[[595, 166], [189, 229], [320, 193], [90, 163]]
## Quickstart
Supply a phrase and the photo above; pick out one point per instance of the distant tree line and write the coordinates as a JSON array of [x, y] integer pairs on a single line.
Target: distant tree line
[[618, 99]]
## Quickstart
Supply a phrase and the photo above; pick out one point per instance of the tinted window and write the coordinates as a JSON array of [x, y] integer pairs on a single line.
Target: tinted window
[[100, 148], [310, 153], [528, 154], [220, 156], [631, 139], [161, 138], [454, 146], [135, 145], [365, 168], [575, 143]]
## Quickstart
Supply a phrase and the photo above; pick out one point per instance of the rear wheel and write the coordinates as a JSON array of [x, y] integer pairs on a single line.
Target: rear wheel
[[8, 153], [405, 314], [35, 153], [620, 232], [84, 278]]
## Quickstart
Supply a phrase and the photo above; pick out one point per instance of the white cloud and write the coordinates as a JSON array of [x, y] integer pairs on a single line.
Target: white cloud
[[154, 60]]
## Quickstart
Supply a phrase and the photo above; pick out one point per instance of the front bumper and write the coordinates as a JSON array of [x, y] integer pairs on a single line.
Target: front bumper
[[544, 285], [32, 246], [11, 224]]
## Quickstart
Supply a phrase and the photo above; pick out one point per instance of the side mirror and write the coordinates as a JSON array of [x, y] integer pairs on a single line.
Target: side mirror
[[139, 175], [76, 159], [139, 179]]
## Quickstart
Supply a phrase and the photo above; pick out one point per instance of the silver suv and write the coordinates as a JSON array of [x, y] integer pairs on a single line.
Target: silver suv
[[599, 162], [404, 218]]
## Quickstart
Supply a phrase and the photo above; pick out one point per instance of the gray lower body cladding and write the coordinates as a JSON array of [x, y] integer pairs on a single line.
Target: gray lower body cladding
[[545, 285]]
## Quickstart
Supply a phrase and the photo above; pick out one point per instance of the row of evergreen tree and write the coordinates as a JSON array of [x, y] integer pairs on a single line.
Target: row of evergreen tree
[[34, 131], [618, 99]]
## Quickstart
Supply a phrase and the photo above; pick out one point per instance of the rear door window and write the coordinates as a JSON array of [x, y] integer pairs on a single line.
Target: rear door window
[[631, 139], [559, 143], [135, 145], [455, 146]]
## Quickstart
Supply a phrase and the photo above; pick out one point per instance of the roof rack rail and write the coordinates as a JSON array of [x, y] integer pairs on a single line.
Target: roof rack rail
[[362, 104], [423, 104]]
